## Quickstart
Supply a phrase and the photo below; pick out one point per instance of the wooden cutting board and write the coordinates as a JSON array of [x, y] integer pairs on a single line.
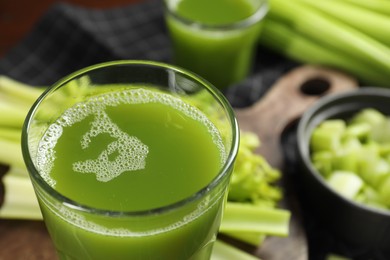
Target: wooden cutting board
[[283, 103], [281, 106]]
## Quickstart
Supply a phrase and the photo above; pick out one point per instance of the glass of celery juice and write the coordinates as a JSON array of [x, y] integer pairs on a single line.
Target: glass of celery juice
[[215, 38], [131, 160]]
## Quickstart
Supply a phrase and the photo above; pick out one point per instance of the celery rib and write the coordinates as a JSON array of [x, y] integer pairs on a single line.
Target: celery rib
[[224, 251], [379, 6], [18, 89], [331, 33], [9, 133], [19, 200], [11, 153], [373, 24], [241, 217], [280, 37], [251, 238]]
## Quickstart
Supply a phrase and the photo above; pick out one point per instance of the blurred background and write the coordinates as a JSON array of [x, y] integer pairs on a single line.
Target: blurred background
[[18, 17]]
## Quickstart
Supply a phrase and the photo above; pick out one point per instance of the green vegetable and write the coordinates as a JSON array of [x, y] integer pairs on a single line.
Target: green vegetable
[[321, 33], [378, 6], [375, 25], [345, 183], [353, 156], [244, 217], [19, 201], [336, 257], [253, 179], [224, 251]]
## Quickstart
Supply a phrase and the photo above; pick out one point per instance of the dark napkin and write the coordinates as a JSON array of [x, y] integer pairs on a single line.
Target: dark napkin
[[70, 37]]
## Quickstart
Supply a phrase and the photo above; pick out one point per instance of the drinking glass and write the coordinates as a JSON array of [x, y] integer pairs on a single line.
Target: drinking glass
[[221, 52], [74, 119]]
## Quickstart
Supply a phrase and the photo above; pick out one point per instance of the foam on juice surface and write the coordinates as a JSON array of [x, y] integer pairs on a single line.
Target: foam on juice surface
[[132, 152]]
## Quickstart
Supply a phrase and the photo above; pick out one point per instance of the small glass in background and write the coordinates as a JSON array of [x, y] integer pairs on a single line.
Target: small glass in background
[[215, 39]]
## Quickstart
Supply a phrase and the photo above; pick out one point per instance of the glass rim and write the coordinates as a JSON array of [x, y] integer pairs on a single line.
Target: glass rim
[[257, 16], [64, 200]]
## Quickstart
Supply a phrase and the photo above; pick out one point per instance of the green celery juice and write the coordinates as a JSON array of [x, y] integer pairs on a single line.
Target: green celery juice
[[205, 40], [130, 151]]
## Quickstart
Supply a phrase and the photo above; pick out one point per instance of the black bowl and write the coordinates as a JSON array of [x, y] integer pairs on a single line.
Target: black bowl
[[355, 224]]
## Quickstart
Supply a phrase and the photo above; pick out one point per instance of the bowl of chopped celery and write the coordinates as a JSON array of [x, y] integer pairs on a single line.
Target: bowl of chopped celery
[[343, 144]]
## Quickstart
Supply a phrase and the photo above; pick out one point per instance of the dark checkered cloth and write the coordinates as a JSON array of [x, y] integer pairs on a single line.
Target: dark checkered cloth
[[69, 37]]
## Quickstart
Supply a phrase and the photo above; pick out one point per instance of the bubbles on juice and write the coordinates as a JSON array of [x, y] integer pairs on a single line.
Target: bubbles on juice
[[79, 220], [131, 151]]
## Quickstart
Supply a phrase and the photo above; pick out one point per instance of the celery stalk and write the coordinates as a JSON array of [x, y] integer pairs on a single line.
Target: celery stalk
[[379, 6], [242, 217], [348, 184], [11, 115], [10, 153], [18, 171], [281, 38], [12, 134], [326, 139], [224, 251], [384, 191], [19, 200], [371, 23], [336, 257], [252, 238], [18, 89], [332, 33]]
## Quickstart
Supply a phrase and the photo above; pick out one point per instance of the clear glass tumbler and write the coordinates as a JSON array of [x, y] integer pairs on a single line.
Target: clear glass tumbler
[[131, 160], [205, 41]]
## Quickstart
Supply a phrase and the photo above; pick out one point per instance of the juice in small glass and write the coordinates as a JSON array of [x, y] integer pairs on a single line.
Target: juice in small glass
[[127, 163], [217, 38]]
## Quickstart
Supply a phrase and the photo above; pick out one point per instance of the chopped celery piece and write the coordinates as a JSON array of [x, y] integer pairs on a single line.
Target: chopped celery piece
[[252, 238], [322, 161], [348, 184], [336, 257], [381, 132], [384, 191], [224, 251], [370, 197], [373, 169], [253, 179], [368, 116], [358, 130], [359, 169], [327, 136], [346, 160], [242, 217]]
